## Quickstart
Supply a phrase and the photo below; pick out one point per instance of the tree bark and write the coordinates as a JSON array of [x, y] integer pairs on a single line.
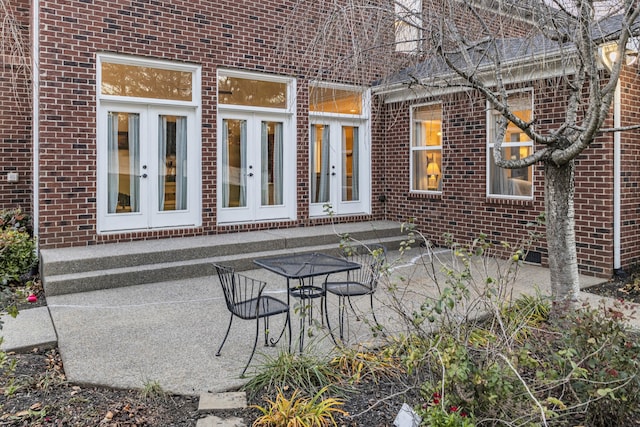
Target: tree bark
[[561, 235]]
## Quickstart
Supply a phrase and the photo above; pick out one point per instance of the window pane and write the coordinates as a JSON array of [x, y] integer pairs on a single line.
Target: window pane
[[234, 153], [331, 100], [408, 21], [172, 179], [427, 166], [251, 92], [350, 172], [319, 164], [123, 163], [145, 82], [511, 182], [271, 160]]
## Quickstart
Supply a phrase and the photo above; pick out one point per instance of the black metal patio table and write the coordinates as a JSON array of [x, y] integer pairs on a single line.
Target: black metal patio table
[[303, 268]]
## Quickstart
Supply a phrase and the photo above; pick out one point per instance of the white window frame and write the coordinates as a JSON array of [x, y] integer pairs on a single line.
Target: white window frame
[[413, 148], [104, 101], [492, 118]]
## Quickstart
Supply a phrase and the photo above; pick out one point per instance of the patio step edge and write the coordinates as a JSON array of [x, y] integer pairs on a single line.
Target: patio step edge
[[86, 281], [63, 261]]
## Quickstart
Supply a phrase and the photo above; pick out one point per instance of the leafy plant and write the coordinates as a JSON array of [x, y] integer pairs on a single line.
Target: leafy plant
[[15, 219], [436, 413], [299, 411], [17, 254], [298, 371], [358, 366]]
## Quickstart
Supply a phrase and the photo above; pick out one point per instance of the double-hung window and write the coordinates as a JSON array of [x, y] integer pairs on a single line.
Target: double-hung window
[[408, 21], [511, 183], [426, 149]]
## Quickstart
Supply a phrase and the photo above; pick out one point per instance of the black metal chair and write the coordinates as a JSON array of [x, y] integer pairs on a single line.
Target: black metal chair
[[361, 282], [245, 299]]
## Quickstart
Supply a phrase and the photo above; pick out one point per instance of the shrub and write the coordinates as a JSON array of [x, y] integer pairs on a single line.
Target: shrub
[[362, 365], [295, 371], [15, 219], [299, 411], [599, 356], [17, 254]]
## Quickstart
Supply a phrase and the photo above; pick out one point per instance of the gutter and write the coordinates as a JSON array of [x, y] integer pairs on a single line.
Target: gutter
[[521, 70], [617, 120], [35, 117]]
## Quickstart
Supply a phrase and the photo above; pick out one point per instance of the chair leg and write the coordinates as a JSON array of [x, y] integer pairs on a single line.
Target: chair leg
[[253, 350], [326, 315], [225, 336], [373, 313], [355, 313], [341, 313], [266, 331]]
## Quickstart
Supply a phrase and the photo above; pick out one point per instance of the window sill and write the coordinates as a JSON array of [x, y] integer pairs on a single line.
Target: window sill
[[431, 195], [510, 201]]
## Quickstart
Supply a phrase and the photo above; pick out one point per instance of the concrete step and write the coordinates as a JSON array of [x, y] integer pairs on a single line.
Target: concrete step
[[71, 270]]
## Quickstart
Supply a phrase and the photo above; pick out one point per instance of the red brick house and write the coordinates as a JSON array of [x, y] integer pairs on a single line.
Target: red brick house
[[158, 119]]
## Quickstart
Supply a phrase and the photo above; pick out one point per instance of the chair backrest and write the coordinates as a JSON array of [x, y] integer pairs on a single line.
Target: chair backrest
[[240, 292], [372, 259]]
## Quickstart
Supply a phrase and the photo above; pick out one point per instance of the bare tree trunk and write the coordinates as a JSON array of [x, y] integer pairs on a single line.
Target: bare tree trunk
[[561, 235]]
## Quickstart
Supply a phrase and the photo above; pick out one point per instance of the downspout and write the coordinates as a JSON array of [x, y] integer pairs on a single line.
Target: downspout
[[617, 263], [35, 117]]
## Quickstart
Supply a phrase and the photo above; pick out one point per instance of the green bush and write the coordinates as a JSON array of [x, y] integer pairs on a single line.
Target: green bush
[[599, 355], [17, 254], [15, 219]]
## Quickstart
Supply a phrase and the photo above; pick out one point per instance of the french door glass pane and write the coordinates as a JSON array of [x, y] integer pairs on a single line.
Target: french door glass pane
[[123, 163], [234, 160], [271, 160], [350, 172], [319, 164], [172, 158]]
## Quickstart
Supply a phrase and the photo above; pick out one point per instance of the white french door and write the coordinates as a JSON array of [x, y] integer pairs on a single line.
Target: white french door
[[339, 167], [148, 167], [256, 168]]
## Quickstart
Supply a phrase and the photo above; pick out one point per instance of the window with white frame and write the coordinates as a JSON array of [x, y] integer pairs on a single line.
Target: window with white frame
[[511, 183], [408, 21], [426, 148]]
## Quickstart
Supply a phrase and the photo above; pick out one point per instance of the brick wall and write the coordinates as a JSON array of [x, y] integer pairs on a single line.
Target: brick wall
[[15, 115], [463, 209], [275, 36]]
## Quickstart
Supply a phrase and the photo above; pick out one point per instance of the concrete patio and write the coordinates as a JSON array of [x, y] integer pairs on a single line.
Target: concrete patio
[[169, 331]]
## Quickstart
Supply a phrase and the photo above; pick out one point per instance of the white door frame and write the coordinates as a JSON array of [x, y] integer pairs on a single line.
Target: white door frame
[[149, 216], [254, 211], [363, 204]]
